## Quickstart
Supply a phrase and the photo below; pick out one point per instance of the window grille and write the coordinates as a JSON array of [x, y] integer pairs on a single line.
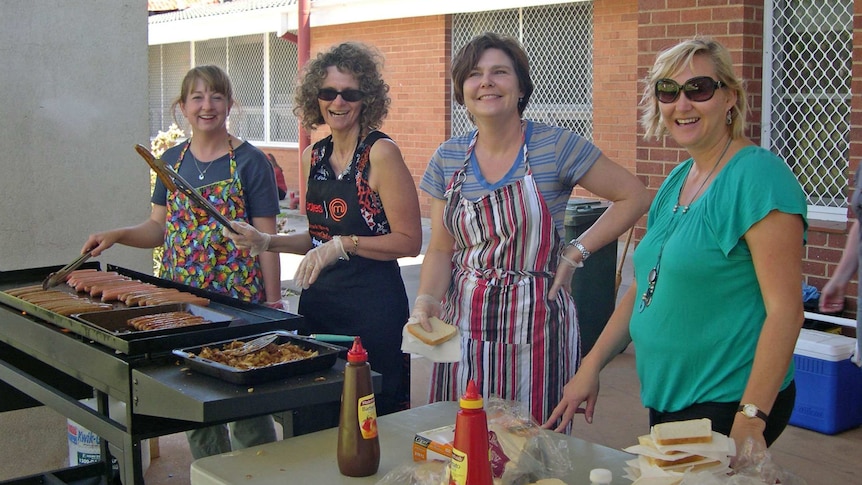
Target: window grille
[[263, 71], [807, 99], [559, 42]]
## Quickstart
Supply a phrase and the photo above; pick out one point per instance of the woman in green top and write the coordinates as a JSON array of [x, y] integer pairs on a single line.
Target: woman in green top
[[716, 305]]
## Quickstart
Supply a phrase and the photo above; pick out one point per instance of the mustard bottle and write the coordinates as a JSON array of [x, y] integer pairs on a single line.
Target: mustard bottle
[[358, 446]]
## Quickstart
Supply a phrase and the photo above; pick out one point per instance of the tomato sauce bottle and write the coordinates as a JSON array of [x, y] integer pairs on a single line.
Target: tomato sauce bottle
[[471, 458], [358, 447]]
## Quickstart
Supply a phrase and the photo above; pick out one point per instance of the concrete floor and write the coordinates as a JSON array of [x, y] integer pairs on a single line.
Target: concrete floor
[[34, 440]]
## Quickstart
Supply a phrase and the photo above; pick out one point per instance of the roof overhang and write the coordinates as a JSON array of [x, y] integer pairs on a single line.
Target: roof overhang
[[232, 20]]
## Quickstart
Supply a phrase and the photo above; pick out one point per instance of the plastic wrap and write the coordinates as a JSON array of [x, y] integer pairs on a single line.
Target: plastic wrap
[[521, 452], [752, 466]]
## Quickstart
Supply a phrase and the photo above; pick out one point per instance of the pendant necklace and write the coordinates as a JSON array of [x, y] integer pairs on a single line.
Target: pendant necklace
[[652, 276], [202, 173]]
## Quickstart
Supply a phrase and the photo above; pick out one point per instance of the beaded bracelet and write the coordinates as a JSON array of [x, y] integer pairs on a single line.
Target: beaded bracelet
[[355, 239]]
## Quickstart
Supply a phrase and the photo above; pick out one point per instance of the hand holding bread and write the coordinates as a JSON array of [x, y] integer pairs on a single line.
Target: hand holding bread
[[425, 307], [440, 331]]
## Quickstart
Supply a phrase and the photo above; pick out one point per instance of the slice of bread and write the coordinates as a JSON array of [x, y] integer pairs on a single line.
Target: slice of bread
[[440, 331], [682, 432]]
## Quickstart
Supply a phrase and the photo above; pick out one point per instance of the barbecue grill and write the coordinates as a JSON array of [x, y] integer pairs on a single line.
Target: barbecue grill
[[49, 359]]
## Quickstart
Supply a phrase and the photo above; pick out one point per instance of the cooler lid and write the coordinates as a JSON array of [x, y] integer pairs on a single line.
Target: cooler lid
[[824, 345]]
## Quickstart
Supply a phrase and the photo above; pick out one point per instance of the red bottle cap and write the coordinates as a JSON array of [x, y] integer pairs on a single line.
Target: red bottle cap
[[357, 353], [471, 399]]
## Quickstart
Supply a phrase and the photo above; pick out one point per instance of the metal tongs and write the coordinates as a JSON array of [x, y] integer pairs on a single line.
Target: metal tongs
[[173, 181], [60, 275], [252, 345]]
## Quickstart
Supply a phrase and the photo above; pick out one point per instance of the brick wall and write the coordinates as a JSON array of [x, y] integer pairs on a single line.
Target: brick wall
[[416, 69], [627, 36], [615, 84], [738, 24]]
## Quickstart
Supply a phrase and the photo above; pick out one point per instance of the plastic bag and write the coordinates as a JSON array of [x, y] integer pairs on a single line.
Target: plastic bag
[[753, 466], [521, 452], [423, 473]]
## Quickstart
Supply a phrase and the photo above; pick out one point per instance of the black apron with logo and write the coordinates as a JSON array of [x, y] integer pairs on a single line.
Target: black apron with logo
[[363, 297]]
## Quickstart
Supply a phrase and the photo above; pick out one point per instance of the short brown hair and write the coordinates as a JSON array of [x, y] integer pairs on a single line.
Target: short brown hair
[[468, 56]]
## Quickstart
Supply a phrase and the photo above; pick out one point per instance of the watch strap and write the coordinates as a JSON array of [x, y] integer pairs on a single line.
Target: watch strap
[[751, 407]]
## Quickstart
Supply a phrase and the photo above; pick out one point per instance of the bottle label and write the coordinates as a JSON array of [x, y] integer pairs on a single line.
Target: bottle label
[[458, 468], [367, 414]]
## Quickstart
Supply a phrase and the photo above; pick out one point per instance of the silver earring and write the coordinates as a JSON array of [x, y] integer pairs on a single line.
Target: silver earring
[[729, 118]]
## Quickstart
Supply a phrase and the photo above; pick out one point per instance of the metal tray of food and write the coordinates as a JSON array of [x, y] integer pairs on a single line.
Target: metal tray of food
[[324, 358], [116, 321]]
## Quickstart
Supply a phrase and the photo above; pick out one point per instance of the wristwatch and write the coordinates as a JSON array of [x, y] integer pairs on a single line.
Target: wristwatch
[[580, 247], [752, 411]]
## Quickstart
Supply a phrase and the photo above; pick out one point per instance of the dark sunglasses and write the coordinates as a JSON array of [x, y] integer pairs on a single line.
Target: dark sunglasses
[[699, 89], [349, 95]]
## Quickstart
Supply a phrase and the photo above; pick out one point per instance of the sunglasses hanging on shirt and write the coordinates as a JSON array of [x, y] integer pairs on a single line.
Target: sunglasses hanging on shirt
[[699, 89]]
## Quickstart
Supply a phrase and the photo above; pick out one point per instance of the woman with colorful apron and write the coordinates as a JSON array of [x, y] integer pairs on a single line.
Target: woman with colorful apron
[[496, 265], [363, 214], [238, 180]]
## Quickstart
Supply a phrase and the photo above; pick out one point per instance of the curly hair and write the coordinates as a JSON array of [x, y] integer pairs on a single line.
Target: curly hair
[[213, 77], [365, 64], [671, 61]]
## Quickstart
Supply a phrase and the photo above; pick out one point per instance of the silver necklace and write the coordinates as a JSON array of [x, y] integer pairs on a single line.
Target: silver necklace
[[708, 175], [652, 276], [201, 172]]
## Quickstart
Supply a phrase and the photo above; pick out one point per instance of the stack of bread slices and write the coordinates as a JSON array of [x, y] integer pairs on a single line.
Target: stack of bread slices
[[674, 448]]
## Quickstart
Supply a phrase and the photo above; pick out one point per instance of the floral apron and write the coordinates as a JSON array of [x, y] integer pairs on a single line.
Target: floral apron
[[515, 343], [197, 254]]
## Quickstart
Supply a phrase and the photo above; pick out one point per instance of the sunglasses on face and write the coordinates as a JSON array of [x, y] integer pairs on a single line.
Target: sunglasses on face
[[699, 89], [349, 95]]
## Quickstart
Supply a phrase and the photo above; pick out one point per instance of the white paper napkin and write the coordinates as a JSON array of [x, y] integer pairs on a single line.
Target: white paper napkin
[[448, 351]]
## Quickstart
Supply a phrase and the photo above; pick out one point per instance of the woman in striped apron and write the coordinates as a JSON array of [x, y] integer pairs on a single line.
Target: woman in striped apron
[[496, 265]]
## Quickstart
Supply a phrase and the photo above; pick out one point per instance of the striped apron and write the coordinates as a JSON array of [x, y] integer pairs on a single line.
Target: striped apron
[[516, 344]]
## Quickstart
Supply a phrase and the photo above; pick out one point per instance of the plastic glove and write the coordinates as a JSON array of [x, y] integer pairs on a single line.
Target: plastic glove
[[563, 279], [425, 307], [247, 237], [317, 259]]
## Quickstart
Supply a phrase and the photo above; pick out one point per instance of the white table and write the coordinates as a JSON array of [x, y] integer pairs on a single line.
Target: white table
[[310, 459]]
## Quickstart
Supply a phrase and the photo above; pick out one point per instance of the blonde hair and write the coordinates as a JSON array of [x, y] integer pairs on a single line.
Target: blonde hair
[[671, 61]]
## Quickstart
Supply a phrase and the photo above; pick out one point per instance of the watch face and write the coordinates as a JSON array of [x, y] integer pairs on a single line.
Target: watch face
[[749, 410]]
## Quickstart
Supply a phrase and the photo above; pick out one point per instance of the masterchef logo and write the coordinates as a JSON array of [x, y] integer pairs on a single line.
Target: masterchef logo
[[337, 209], [313, 208]]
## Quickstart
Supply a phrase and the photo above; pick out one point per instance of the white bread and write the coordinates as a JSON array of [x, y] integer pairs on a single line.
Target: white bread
[[682, 432], [440, 331], [664, 459]]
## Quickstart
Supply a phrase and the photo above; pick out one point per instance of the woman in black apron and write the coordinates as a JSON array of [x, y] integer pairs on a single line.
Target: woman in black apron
[[363, 214]]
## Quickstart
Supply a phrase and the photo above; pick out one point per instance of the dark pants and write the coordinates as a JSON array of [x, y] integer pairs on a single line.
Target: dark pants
[[723, 413]]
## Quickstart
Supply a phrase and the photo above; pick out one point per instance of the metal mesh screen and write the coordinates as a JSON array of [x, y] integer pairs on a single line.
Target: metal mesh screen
[[810, 96], [559, 42], [262, 69], [168, 64]]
